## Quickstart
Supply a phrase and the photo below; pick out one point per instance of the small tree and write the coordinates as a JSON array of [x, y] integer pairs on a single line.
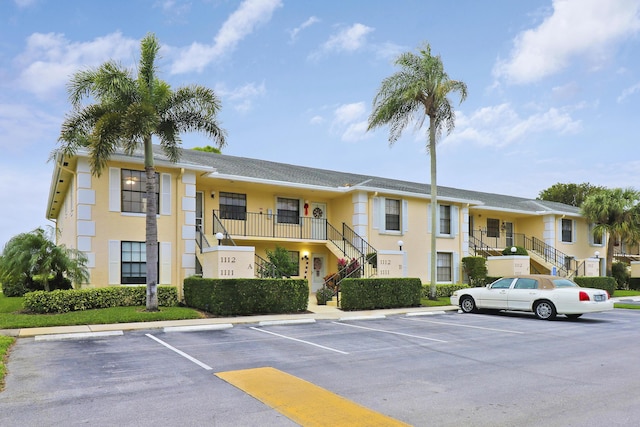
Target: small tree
[[475, 267], [281, 259], [31, 257]]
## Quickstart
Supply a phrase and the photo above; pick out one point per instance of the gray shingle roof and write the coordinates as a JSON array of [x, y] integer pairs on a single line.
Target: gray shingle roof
[[282, 172]]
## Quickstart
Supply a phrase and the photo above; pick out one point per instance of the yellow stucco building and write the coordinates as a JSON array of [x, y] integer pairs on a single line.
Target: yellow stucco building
[[318, 215]]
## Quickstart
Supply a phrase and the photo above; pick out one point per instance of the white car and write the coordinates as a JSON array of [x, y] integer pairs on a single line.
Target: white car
[[543, 295]]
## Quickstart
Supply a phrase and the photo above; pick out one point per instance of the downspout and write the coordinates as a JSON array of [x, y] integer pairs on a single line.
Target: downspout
[[179, 244]]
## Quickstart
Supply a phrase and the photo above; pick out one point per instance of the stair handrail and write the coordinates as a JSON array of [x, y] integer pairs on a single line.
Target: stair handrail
[[264, 268], [201, 239], [219, 228]]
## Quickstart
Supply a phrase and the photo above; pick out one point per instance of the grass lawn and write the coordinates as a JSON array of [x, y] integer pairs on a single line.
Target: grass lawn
[[623, 293], [442, 301], [5, 344], [11, 316]]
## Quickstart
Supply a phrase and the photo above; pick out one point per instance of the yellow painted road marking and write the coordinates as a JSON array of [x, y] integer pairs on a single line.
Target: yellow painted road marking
[[304, 402]]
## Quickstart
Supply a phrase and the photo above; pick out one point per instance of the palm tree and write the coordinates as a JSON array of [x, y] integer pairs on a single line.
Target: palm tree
[[27, 256], [419, 90], [128, 111], [616, 213]]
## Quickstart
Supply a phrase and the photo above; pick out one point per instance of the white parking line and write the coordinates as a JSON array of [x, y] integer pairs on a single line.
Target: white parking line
[[389, 332], [297, 340], [463, 326], [181, 353]]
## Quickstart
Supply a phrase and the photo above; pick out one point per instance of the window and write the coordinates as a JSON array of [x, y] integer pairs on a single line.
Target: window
[[443, 269], [134, 191], [295, 259], [567, 230], [493, 227], [288, 211], [526, 284], [445, 219], [392, 214], [134, 263], [502, 283], [233, 206], [596, 238]]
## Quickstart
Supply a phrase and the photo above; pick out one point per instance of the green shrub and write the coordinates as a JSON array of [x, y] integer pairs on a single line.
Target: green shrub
[[323, 295], [443, 291], [475, 267], [519, 251], [226, 297], [63, 301], [367, 294], [634, 283], [620, 272], [13, 288], [597, 282]]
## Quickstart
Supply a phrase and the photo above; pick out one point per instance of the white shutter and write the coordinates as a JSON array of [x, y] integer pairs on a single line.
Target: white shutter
[[456, 267], [165, 263], [438, 233], [405, 216], [454, 221], [378, 213], [165, 194], [573, 231], [114, 262], [114, 190]]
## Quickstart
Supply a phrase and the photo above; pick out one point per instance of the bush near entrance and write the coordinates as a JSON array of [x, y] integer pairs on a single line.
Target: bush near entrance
[[367, 294], [226, 297], [598, 282]]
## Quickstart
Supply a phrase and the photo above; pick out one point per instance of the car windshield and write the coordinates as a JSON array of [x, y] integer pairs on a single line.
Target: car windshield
[[564, 283]]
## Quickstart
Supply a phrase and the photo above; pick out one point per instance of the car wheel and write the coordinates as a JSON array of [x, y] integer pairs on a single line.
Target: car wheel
[[467, 304], [545, 310], [573, 316]]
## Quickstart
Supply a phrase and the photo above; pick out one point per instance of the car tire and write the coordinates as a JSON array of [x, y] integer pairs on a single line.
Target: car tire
[[468, 305], [545, 310], [573, 316]]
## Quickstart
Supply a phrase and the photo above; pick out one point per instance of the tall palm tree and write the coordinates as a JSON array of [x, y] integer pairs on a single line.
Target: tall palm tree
[[127, 112], [616, 213], [420, 89]]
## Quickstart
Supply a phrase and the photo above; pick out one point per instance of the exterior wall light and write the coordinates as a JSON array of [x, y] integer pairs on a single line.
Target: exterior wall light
[[400, 243], [219, 236]]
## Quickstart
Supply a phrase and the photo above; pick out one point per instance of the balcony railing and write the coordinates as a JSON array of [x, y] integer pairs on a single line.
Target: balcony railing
[[253, 224]]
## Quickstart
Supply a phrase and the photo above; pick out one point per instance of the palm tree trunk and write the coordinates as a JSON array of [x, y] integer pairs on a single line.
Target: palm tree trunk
[[609, 259], [151, 228], [434, 206]]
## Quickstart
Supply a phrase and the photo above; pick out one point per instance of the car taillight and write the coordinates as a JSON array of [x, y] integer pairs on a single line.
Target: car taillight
[[606, 292], [584, 296]]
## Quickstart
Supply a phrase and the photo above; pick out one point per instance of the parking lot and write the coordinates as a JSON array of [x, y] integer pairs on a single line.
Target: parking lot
[[443, 370]]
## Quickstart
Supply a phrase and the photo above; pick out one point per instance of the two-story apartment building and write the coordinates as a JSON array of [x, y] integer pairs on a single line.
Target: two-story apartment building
[[318, 215]]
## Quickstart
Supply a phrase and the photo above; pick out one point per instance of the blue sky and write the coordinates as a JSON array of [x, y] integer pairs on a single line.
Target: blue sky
[[554, 85]]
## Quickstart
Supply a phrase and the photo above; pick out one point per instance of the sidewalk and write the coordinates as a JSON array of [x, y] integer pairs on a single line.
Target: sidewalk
[[315, 312]]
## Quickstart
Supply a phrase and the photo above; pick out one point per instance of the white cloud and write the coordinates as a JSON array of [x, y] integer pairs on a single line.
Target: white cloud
[[242, 97], [576, 28], [348, 39], [309, 22], [316, 120], [22, 126], [50, 59], [239, 25], [501, 125], [628, 92], [24, 3], [348, 121]]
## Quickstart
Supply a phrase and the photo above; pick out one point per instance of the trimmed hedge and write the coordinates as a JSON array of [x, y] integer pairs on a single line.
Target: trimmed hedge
[[443, 291], [634, 283], [367, 294], [598, 282], [61, 301], [226, 297]]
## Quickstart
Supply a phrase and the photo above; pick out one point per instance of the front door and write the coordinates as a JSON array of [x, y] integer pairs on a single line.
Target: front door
[[318, 271], [508, 233], [318, 221]]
